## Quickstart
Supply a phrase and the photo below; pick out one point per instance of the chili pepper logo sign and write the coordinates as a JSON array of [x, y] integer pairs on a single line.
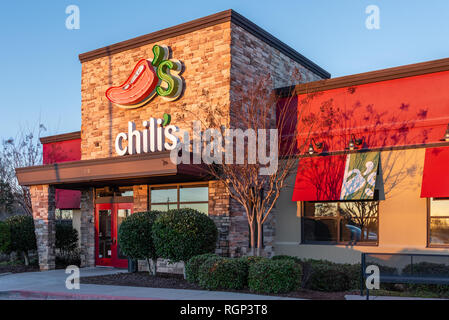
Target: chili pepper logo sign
[[150, 77]]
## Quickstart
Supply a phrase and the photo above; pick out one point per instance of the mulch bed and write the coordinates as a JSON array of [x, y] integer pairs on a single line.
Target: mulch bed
[[172, 281], [18, 269]]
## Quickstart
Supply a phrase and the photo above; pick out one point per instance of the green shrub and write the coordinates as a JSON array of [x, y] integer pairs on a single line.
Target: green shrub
[[285, 257], [427, 269], [327, 276], [274, 276], [23, 238], [135, 237], [5, 238], [194, 264], [69, 258], [66, 238], [183, 233], [224, 273]]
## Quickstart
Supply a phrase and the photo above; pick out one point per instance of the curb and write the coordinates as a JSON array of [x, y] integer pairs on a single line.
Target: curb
[[42, 295]]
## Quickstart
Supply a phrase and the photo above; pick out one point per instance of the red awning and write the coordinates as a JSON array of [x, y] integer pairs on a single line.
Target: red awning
[[435, 180], [319, 178], [67, 199]]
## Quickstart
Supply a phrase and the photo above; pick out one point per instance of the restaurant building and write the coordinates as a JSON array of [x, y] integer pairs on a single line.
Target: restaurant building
[[371, 177]]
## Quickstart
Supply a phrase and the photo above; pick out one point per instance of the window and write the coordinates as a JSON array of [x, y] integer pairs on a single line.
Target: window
[[340, 222], [114, 192], [439, 222], [164, 198]]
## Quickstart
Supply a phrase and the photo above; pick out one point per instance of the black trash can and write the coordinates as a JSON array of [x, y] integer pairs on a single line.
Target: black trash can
[[132, 265]]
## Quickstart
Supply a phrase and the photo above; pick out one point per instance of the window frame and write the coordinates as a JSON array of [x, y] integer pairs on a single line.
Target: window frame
[[338, 219], [178, 187], [429, 217]]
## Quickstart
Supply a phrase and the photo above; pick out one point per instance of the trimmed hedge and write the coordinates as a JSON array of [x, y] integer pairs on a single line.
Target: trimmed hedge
[[5, 237], [274, 276], [224, 273], [135, 235], [285, 257], [23, 238], [194, 264], [428, 269], [181, 234], [66, 238], [323, 275]]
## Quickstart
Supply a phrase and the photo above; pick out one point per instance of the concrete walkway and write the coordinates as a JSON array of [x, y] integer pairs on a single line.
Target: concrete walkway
[[51, 285]]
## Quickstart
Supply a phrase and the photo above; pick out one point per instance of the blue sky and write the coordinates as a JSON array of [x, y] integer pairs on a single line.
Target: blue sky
[[41, 73]]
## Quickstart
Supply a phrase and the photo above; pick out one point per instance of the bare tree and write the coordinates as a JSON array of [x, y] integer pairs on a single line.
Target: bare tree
[[23, 151], [256, 106]]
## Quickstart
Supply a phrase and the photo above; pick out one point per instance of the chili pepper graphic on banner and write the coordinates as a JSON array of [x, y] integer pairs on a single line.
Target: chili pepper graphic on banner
[[360, 174]]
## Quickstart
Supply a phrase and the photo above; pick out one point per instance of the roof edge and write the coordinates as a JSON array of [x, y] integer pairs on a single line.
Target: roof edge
[[201, 23], [61, 137], [404, 71]]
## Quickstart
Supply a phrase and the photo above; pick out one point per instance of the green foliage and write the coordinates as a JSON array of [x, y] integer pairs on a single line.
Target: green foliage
[[194, 264], [427, 269], [224, 273], [135, 235], [5, 238], [22, 233], [69, 258], [285, 257], [183, 233], [274, 276], [66, 238], [322, 275]]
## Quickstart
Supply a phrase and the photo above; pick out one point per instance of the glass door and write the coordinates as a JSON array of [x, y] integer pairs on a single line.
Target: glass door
[[108, 217], [103, 234], [121, 211]]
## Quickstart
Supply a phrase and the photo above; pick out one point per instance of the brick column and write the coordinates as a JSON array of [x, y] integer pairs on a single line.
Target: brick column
[[140, 198], [43, 204], [87, 234]]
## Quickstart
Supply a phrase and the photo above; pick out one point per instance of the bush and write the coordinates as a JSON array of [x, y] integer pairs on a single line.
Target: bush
[[23, 238], [224, 273], [285, 257], [69, 258], [274, 276], [66, 238], [5, 238], [183, 233], [328, 276], [194, 264], [135, 237], [427, 269]]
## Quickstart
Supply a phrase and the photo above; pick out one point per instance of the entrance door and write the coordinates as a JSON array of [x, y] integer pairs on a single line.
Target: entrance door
[[108, 217]]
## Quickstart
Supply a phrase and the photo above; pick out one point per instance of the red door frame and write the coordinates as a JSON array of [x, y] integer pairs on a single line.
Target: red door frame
[[114, 260]]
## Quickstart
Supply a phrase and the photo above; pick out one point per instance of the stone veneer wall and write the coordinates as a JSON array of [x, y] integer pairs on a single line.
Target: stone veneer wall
[[87, 234], [43, 204], [251, 57], [205, 54]]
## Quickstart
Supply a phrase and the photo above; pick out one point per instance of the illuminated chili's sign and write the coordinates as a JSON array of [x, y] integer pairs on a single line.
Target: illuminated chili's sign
[[150, 77]]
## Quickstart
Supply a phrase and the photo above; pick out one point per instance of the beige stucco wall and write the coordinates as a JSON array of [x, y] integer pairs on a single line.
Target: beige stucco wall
[[402, 215]]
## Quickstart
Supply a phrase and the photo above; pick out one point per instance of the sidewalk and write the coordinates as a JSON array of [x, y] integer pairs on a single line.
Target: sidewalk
[[51, 285]]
